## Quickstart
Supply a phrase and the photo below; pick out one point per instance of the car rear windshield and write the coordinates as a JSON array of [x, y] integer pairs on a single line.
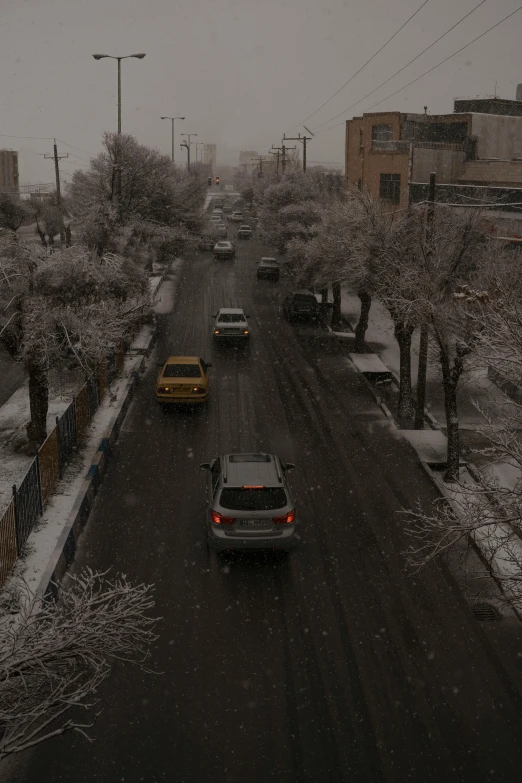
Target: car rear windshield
[[182, 371], [305, 298], [241, 499], [230, 318]]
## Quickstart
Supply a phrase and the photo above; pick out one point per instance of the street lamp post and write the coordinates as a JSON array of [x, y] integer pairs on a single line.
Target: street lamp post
[[184, 144], [139, 56], [172, 120], [188, 144]]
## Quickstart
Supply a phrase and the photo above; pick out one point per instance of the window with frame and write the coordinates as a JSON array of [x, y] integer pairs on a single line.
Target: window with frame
[[390, 187], [382, 133]]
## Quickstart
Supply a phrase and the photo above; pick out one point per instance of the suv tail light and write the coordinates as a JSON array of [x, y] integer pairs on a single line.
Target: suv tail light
[[286, 519], [219, 519], [198, 390]]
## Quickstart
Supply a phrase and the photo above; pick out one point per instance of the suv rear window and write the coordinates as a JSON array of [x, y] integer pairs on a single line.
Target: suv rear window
[[230, 318], [305, 299], [265, 499]]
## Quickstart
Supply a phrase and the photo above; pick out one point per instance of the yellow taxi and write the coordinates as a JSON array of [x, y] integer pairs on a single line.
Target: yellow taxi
[[183, 380]]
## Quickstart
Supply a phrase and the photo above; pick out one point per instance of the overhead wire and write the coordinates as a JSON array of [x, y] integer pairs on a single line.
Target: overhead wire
[[404, 66], [445, 60], [363, 66]]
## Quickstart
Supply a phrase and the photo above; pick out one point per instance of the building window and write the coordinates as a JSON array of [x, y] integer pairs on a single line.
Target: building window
[[390, 187], [382, 133]]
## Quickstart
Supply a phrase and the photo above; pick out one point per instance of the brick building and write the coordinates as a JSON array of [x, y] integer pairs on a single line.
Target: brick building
[[9, 172], [474, 150]]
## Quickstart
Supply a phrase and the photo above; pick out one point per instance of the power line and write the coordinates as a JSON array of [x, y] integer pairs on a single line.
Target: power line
[[430, 69], [404, 66], [35, 138], [362, 66], [75, 148]]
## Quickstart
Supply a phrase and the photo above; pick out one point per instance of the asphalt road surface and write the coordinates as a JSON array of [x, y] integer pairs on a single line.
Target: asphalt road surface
[[336, 663]]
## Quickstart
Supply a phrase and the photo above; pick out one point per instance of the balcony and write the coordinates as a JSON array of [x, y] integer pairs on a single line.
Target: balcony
[[403, 145]]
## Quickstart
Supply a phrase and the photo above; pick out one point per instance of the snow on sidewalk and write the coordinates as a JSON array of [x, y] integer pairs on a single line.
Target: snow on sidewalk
[[44, 538]]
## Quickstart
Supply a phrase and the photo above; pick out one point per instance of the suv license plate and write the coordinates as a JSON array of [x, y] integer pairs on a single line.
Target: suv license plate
[[253, 523]]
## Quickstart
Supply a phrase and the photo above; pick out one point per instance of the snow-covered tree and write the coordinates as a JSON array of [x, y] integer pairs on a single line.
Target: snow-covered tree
[[129, 182], [54, 656], [487, 510], [62, 309], [12, 213], [288, 210]]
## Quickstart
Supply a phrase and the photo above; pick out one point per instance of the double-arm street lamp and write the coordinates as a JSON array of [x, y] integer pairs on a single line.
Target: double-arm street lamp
[[172, 120], [187, 145], [139, 56]]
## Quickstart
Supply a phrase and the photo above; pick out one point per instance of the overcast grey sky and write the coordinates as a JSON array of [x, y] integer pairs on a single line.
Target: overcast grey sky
[[241, 72]]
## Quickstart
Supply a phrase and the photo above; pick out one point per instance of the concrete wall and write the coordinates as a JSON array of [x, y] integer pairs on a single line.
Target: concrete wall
[[495, 172], [446, 163], [498, 136]]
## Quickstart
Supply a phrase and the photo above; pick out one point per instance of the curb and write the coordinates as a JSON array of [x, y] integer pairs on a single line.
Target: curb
[[65, 549]]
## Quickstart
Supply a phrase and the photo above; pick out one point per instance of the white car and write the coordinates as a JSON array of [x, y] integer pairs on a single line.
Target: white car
[[231, 322], [216, 219], [245, 232]]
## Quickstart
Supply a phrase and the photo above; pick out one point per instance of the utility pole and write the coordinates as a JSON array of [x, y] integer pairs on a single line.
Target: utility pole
[[261, 159], [57, 158], [283, 150], [424, 332], [302, 139]]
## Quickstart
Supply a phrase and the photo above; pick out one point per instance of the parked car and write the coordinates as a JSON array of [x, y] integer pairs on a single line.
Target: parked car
[[250, 504], [268, 269], [224, 250], [236, 217], [301, 304], [183, 379], [230, 322], [244, 232]]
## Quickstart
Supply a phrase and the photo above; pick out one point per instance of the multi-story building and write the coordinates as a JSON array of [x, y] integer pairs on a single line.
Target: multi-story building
[[476, 153], [9, 172], [209, 156]]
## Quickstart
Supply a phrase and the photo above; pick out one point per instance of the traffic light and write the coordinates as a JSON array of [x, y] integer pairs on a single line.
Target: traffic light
[[217, 180], [209, 181]]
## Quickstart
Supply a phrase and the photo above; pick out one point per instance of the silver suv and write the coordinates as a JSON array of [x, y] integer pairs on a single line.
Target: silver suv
[[249, 503]]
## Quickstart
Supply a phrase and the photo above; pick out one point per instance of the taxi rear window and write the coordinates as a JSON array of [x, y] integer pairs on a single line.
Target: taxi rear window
[[182, 371], [258, 499]]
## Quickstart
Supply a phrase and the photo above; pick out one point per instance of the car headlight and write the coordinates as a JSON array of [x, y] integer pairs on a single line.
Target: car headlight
[[216, 331], [245, 331]]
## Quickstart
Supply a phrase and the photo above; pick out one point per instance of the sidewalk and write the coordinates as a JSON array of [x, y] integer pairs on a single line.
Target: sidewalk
[[474, 386]]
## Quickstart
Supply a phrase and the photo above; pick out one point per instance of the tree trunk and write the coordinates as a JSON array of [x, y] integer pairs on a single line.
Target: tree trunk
[[450, 379], [336, 311], [38, 402], [362, 324], [403, 333], [68, 236], [324, 295]]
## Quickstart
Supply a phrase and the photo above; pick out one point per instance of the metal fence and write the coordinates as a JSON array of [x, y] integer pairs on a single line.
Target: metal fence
[[28, 503], [54, 454]]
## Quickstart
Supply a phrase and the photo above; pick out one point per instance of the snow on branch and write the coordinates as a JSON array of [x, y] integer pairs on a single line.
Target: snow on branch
[[55, 655]]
